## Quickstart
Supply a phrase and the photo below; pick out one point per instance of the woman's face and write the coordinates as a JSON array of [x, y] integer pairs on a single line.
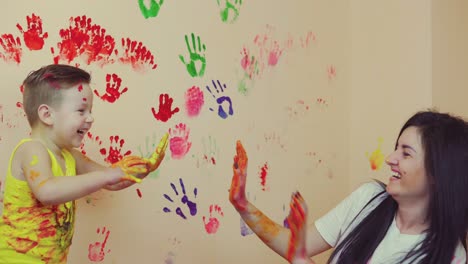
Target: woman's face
[[409, 180]]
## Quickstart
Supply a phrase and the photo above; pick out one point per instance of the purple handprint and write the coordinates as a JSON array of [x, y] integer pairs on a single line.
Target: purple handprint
[[221, 99], [185, 200]]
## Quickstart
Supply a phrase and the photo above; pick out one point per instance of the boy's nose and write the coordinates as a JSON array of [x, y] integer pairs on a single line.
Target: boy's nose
[[90, 119]]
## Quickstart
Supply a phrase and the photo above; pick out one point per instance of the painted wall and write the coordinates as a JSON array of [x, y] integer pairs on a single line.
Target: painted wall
[[274, 74]]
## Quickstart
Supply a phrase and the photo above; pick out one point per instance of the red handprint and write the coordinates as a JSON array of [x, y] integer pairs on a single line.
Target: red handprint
[[165, 104], [179, 144], [137, 55], [212, 225], [112, 88], [96, 251], [115, 154], [33, 37], [12, 50]]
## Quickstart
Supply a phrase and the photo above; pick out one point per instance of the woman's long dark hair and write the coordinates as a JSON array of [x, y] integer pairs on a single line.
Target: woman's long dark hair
[[445, 142]]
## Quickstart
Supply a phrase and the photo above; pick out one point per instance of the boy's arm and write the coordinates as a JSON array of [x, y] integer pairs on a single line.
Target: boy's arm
[[50, 190]]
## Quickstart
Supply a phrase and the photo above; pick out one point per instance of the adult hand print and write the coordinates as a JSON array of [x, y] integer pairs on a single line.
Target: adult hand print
[[179, 142], [184, 199], [97, 251], [33, 37], [212, 225], [112, 88], [153, 9], [165, 112], [229, 10], [219, 89], [196, 55]]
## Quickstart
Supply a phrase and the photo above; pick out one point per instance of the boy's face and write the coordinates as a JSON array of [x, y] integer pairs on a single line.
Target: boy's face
[[72, 117]]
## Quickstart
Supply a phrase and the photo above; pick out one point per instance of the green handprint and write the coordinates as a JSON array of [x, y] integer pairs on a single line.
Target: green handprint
[[149, 149], [228, 6], [153, 10], [195, 56]]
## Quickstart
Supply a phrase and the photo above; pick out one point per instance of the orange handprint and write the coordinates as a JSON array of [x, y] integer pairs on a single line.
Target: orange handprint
[[96, 251]]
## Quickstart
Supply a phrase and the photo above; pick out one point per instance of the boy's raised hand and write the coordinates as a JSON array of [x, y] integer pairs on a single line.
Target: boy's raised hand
[[132, 166], [237, 191], [157, 157]]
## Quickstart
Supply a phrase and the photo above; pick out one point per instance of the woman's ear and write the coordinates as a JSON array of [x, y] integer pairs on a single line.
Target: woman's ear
[[46, 114]]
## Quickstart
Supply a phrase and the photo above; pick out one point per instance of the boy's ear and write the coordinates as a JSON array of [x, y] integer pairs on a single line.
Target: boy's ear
[[46, 114]]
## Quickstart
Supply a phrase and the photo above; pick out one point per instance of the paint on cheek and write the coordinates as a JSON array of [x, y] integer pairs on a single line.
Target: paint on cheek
[[84, 99], [34, 160]]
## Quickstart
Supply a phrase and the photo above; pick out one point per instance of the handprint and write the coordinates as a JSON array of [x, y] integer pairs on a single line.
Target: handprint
[[137, 55], [97, 251], [212, 225], [274, 53], [112, 88], [165, 112], [194, 101], [184, 199], [115, 149], [210, 150], [297, 221], [221, 99], [179, 144], [229, 11], [11, 46], [195, 56], [33, 37], [153, 10]]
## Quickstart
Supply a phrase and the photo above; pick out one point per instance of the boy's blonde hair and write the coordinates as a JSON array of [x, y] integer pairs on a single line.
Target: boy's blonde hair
[[43, 87]]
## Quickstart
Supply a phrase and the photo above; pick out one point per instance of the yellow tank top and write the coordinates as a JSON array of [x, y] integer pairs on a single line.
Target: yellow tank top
[[30, 232]]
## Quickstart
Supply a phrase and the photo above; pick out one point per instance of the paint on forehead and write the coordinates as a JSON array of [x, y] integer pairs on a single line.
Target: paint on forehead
[[80, 88], [84, 99], [34, 160]]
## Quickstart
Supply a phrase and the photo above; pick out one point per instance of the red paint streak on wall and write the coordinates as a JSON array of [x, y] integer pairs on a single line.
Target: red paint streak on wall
[[11, 48], [263, 176], [115, 150], [84, 39], [137, 55], [194, 101], [139, 192], [33, 36]]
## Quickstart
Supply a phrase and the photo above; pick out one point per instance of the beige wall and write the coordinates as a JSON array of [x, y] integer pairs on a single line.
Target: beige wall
[[313, 127], [450, 56]]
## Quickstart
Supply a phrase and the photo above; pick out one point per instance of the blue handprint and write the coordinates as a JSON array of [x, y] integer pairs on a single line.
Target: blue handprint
[[185, 200], [221, 99]]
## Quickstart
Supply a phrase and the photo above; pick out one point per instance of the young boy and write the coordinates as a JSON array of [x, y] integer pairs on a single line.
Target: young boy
[[46, 174]]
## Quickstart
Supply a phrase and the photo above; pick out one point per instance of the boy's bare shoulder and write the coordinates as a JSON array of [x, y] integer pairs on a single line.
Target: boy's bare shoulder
[[27, 153]]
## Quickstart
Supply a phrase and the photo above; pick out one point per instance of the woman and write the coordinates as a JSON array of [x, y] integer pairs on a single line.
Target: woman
[[420, 216]]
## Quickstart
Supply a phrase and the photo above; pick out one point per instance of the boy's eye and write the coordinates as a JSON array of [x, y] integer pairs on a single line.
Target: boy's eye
[[406, 154]]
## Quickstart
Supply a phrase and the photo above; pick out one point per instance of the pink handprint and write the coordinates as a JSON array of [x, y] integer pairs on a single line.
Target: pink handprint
[[178, 143], [165, 104], [274, 54], [194, 101], [212, 225], [11, 46], [112, 88], [97, 251], [33, 37]]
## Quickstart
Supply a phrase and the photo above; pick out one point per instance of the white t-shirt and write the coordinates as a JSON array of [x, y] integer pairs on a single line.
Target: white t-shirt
[[336, 225]]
